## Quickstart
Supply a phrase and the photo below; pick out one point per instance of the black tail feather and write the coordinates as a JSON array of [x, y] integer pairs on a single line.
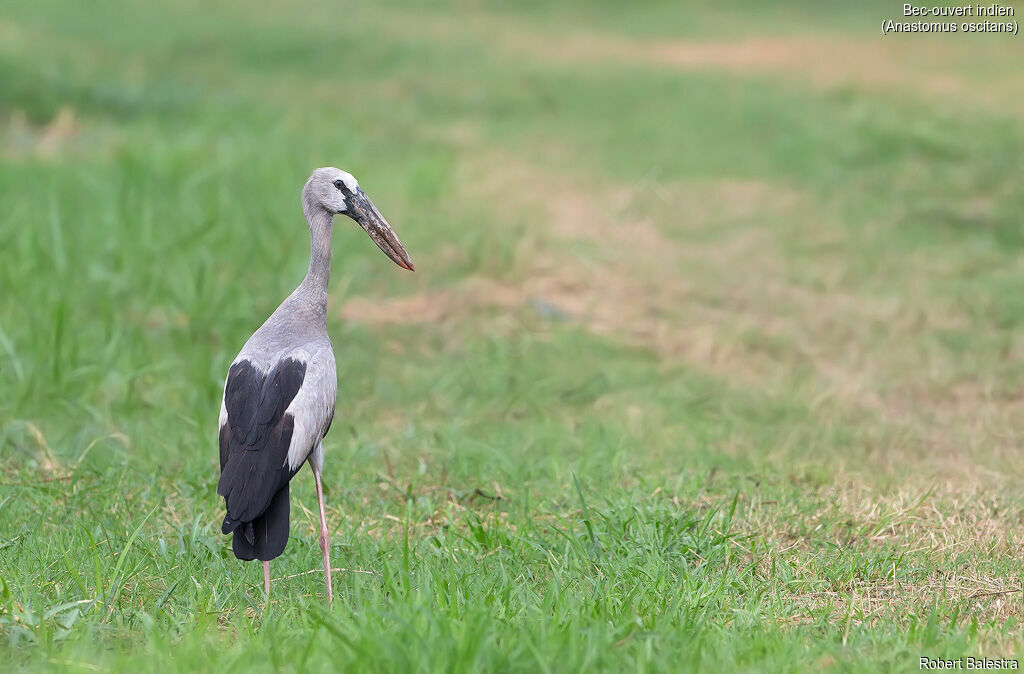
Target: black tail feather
[[229, 525], [265, 537]]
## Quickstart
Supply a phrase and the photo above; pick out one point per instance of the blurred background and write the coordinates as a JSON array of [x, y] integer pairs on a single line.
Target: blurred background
[[690, 246], [782, 199]]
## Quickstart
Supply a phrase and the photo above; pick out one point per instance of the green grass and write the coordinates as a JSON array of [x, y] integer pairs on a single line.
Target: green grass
[[706, 365]]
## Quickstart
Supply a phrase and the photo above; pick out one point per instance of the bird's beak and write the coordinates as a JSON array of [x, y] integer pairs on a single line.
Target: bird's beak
[[362, 210]]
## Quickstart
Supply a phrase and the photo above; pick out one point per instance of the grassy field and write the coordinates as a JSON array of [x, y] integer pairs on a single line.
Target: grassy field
[[712, 359]]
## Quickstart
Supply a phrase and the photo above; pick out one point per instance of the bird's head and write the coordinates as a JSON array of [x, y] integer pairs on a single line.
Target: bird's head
[[336, 191]]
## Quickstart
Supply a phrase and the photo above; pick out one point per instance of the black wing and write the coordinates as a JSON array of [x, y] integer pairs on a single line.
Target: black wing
[[254, 443]]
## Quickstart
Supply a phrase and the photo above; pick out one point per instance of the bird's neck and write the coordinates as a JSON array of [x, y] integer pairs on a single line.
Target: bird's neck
[[313, 288]]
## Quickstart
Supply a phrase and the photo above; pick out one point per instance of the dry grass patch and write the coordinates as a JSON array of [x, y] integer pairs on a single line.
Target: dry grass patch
[[943, 70], [594, 260], [868, 603], [863, 556], [696, 272], [22, 138]]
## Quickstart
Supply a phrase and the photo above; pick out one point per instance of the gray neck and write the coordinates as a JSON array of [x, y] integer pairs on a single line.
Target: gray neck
[[313, 289]]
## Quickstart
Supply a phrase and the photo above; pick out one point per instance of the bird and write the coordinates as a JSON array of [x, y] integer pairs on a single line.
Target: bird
[[280, 390]]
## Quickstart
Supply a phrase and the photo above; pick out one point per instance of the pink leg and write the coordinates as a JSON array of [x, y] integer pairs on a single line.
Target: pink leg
[[325, 537], [266, 579]]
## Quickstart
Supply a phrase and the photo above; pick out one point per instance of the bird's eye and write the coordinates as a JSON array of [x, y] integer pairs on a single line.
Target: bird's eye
[[339, 183]]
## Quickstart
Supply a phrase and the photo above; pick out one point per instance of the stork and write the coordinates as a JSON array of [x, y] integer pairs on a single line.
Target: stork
[[280, 391]]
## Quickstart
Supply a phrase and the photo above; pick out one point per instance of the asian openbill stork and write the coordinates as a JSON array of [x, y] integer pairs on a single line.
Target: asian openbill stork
[[280, 390]]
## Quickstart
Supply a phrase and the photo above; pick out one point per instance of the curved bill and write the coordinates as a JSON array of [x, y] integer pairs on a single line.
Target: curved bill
[[362, 210]]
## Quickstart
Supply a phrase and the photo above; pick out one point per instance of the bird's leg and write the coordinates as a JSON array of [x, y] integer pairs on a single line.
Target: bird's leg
[[266, 579], [325, 536]]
